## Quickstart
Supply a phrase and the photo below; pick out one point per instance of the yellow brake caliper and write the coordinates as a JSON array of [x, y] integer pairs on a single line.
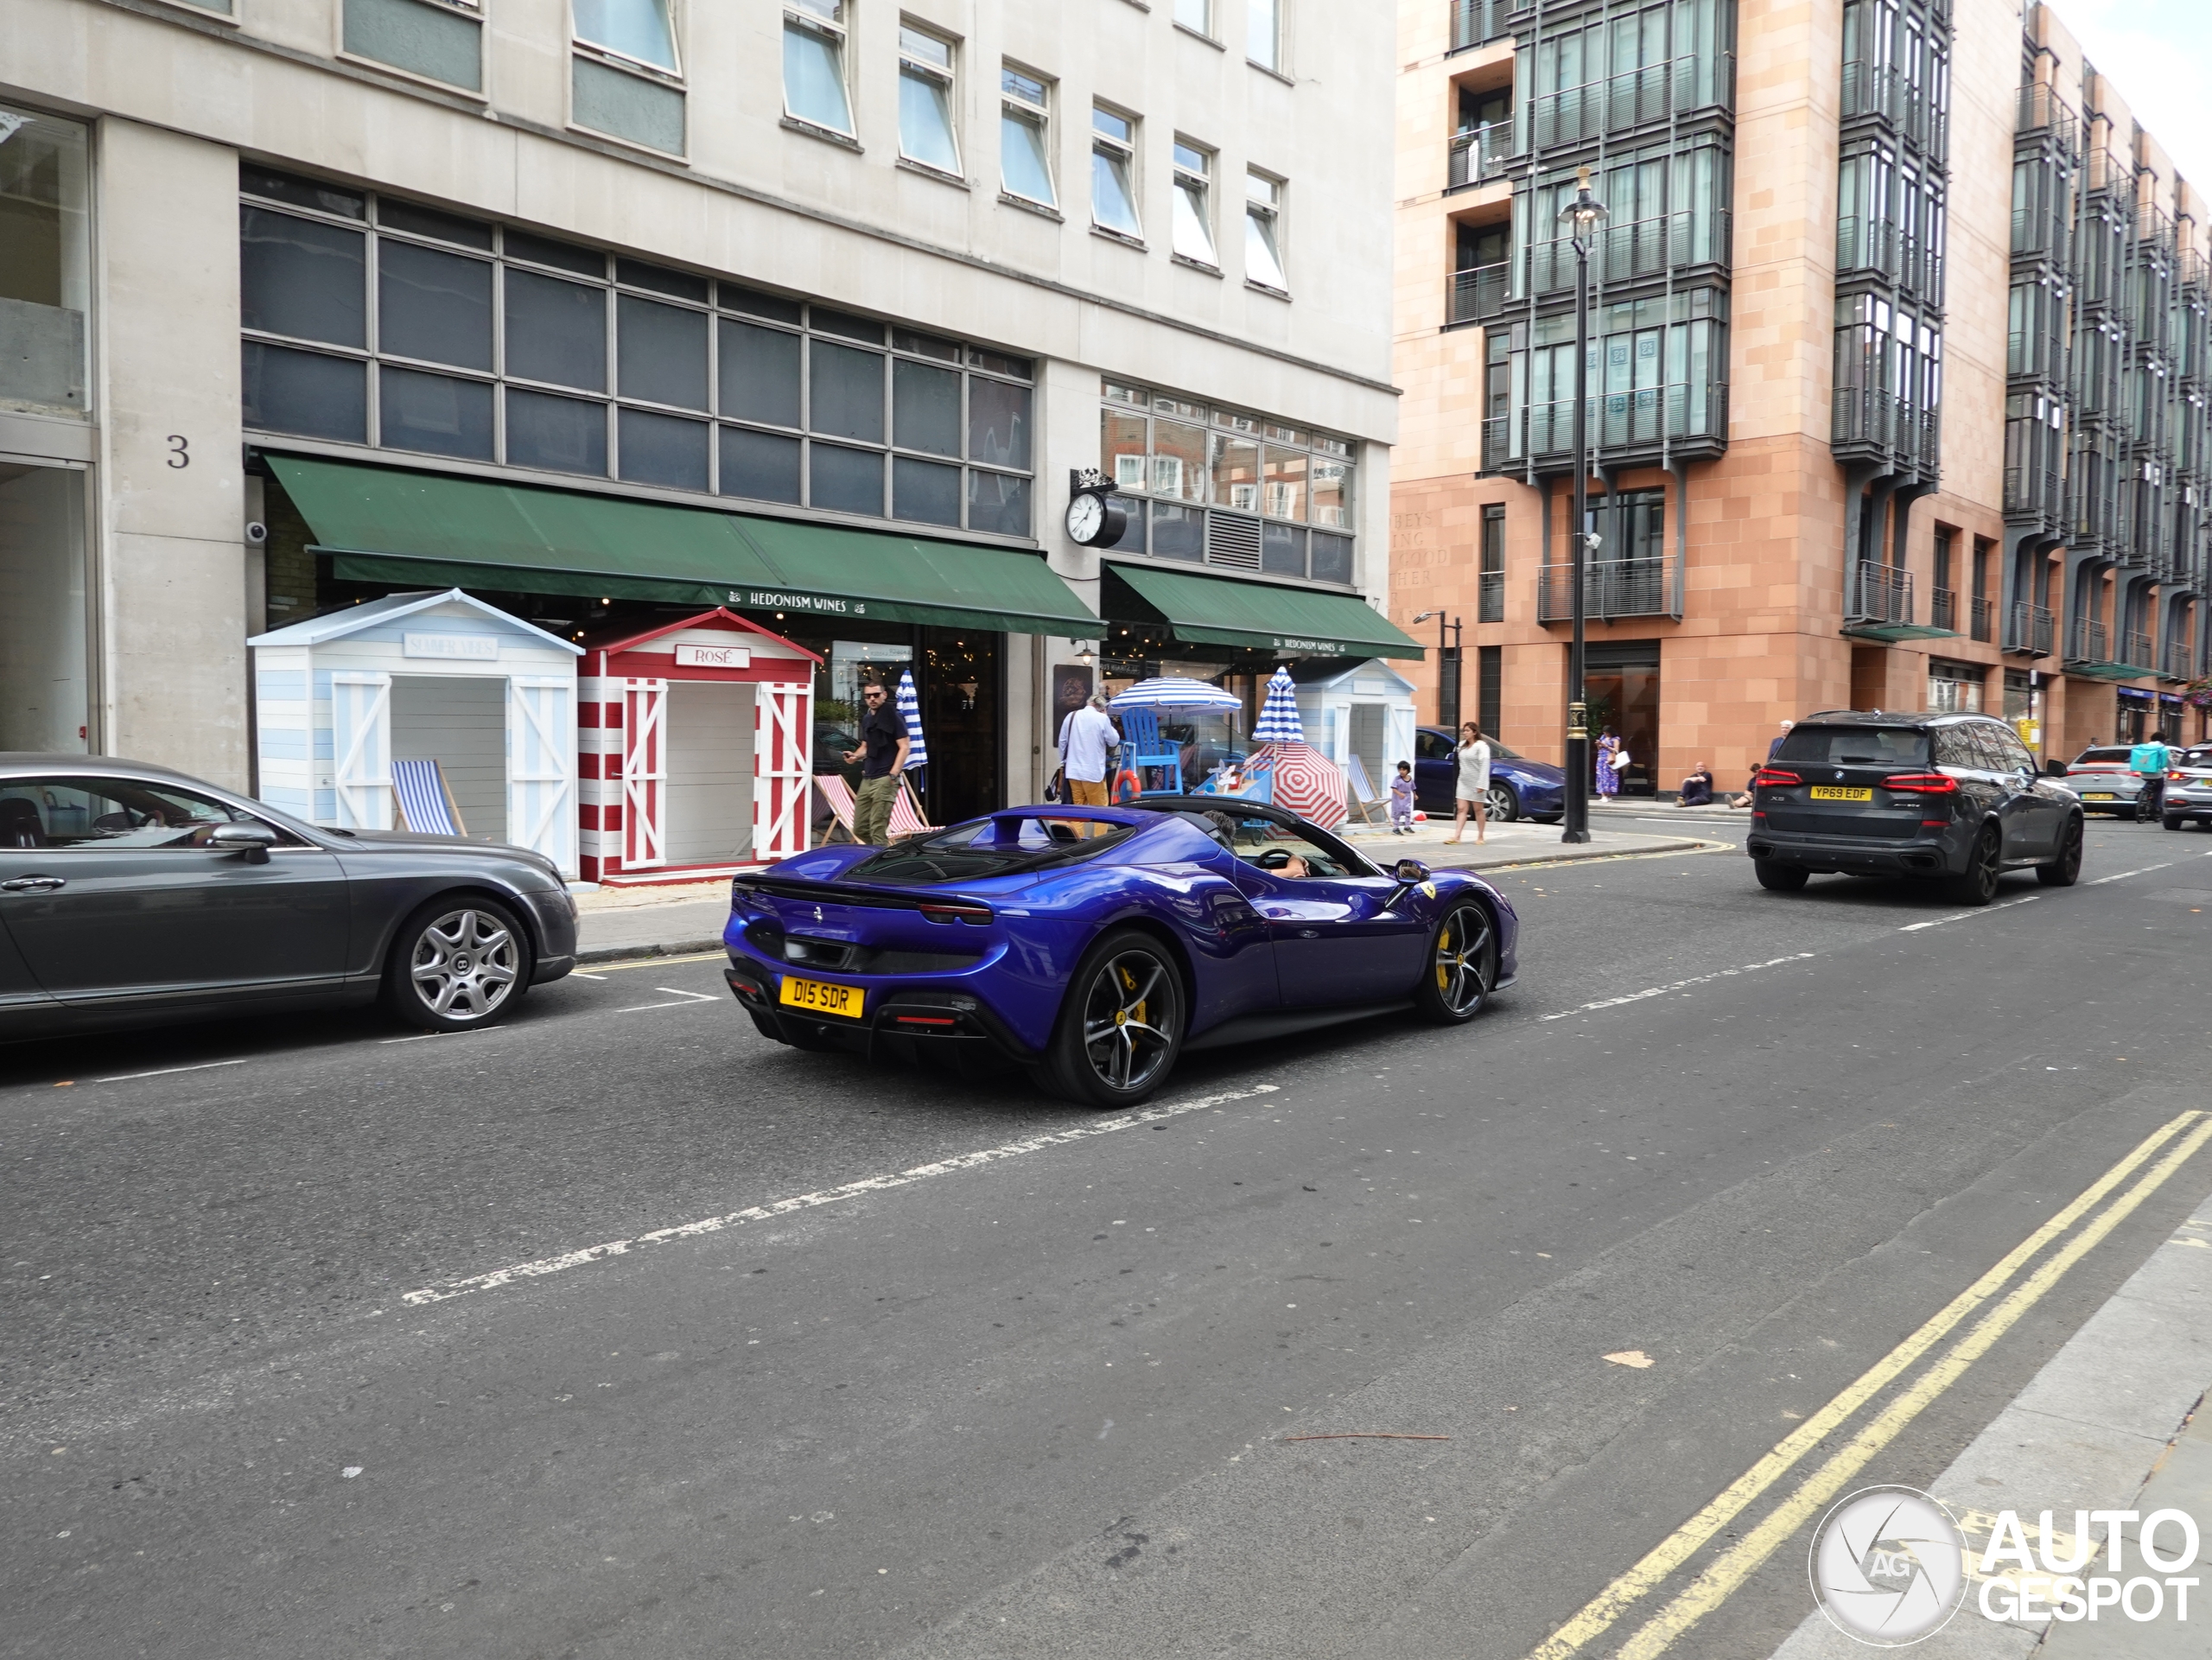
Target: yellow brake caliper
[[1443, 950]]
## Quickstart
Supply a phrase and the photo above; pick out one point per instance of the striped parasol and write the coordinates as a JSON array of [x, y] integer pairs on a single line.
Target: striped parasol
[[1279, 721], [1307, 782], [909, 711], [1176, 692]]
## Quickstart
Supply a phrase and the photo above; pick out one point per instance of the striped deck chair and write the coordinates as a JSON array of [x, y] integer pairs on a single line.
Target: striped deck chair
[[907, 816], [837, 796], [425, 803], [1364, 794]]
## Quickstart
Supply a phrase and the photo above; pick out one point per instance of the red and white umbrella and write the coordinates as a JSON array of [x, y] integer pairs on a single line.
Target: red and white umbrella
[[1306, 782]]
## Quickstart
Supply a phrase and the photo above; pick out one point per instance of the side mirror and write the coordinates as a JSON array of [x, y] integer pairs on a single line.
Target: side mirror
[[2054, 769], [1410, 871], [251, 839]]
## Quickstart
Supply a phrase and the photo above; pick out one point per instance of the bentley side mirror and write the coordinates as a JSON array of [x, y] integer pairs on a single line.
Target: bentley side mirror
[[253, 841], [1411, 871]]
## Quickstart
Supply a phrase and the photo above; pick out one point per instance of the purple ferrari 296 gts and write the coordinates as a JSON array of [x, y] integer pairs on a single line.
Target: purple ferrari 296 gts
[[1094, 944]]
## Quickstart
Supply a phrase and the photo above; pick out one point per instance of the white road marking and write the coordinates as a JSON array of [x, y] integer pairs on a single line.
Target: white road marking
[[546, 1265], [1962, 916], [1695, 980], [2124, 874], [163, 1071], [683, 999]]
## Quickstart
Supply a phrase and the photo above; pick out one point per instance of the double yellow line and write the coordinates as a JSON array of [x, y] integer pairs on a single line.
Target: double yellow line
[[1717, 1582]]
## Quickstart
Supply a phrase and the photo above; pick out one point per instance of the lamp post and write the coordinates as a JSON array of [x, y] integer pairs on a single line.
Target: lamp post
[[1448, 655], [1582, 216]]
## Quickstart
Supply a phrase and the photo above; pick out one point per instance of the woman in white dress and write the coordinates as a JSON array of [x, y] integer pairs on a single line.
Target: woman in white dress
[[1473, 789]]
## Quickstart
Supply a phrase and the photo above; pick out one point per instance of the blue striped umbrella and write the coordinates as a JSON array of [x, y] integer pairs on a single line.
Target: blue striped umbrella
[[909, 711], [1176, 692], [1279, 721]]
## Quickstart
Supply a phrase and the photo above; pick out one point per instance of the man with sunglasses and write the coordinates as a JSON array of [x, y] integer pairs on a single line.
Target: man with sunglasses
[[882, 756]]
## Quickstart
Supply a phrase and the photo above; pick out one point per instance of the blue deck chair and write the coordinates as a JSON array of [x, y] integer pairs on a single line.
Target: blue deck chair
[[1364, 794], [425, 804], [1143, 747]]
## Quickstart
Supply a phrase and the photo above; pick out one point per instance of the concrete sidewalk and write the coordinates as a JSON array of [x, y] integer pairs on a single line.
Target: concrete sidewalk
[[2115, 1420], [617, 924]]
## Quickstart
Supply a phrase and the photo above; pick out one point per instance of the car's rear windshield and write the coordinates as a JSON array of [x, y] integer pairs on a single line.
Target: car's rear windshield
[[1854, 746], [2091, 757], [971, 851]]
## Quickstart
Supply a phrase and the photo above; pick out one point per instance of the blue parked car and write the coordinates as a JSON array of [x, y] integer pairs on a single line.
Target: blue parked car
[[1519, 787], [1095, 959]]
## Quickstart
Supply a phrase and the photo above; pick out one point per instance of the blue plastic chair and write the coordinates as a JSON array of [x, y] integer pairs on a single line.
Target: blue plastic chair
[[1145, 748]]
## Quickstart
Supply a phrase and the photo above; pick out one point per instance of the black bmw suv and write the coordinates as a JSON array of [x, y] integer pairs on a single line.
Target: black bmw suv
[[1954, 798]]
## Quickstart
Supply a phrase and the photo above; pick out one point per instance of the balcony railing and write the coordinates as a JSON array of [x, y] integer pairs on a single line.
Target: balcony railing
[[1632, 98], [1612, 587], [2137, 652], [1880, 246], [1644, 247], [1477, 153], [1864, 419], [1981, 619], [1617, 420], [2087, 642], [1943, 609], [1490, 596], [2032, 628], [1877, 594], [2042, 111], [2173, 660], [1474, 22], [1876, 90], [2043, 231], [2039, 491], [1480, 292]]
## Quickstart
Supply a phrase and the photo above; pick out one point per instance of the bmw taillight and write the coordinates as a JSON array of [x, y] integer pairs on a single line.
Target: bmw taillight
[[1922, 783], [1773, 776]]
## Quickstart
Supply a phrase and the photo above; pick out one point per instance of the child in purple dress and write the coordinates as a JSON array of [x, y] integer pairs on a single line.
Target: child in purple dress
[[1401, 801]]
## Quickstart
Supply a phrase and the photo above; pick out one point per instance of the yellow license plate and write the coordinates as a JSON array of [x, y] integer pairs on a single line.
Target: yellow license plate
[[1839, 792], [820, 998], [2099, 795]]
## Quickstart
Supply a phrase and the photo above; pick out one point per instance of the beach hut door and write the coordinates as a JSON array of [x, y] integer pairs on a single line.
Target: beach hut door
[[360, 738], [542, 767], [783, 767], [644, 773]]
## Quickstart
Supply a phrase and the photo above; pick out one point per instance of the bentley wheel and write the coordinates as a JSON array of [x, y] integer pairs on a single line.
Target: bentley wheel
[[1462, 968], [456, 964], [2066, 869], [1121, 1025], [1977, 883]]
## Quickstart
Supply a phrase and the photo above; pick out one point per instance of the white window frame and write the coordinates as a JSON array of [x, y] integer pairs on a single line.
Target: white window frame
[[947, 75], [1205, 26], [1125, 151], [839, 28], [1270, 210], [1040, 112], [580, 41], [1204, 175], [1272, 11]]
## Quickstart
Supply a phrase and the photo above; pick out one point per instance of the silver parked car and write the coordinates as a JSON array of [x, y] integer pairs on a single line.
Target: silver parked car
[[2189, 795], [2100, 777], [130, 895]]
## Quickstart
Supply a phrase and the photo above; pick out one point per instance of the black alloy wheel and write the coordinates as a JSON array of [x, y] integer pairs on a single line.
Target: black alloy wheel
[[457, 964], [1504, 803], [2173, 821], [1121, 1026], [1462, 968], [1778, 878], [1977, 883], [2066, 869]]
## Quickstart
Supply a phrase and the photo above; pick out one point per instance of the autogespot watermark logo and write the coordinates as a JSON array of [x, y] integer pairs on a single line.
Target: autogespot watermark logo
[[1888, 1565]]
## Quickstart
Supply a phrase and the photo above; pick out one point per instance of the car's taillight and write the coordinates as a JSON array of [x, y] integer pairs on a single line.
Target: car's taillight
[[1775, 775], [1922, 783], [975, 916]]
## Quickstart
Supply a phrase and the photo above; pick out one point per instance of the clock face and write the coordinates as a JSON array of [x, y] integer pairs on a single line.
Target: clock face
[[1086, 516]]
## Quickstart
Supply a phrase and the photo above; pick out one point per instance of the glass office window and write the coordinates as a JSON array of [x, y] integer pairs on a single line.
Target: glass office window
[[637, 29], [1024, 160], [1193, 204], [1113, 173], [814, 64], [926, 101]]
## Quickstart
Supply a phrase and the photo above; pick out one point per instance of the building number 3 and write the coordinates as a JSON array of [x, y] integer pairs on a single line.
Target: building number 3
[[179, 450]]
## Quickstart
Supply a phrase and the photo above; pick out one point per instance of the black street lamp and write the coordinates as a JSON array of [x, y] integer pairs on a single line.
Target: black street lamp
[[1583, 216], [1447, 670]]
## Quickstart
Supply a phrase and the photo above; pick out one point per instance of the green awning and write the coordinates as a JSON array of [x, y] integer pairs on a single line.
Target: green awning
[[385, 524], [1221, 610]]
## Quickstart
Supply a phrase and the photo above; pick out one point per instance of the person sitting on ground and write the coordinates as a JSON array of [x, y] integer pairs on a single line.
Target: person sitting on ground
[[1697, 788]]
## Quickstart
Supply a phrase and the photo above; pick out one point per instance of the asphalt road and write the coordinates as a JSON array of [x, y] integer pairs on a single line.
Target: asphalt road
[[1035, 1404]]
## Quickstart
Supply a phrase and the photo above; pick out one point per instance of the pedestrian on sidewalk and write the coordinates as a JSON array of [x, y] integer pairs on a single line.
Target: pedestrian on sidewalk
[[1472, 791], [1401, 801], [2150, 760], [1610, 761], [1697, 788], [1088, 740], [882, 755]]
